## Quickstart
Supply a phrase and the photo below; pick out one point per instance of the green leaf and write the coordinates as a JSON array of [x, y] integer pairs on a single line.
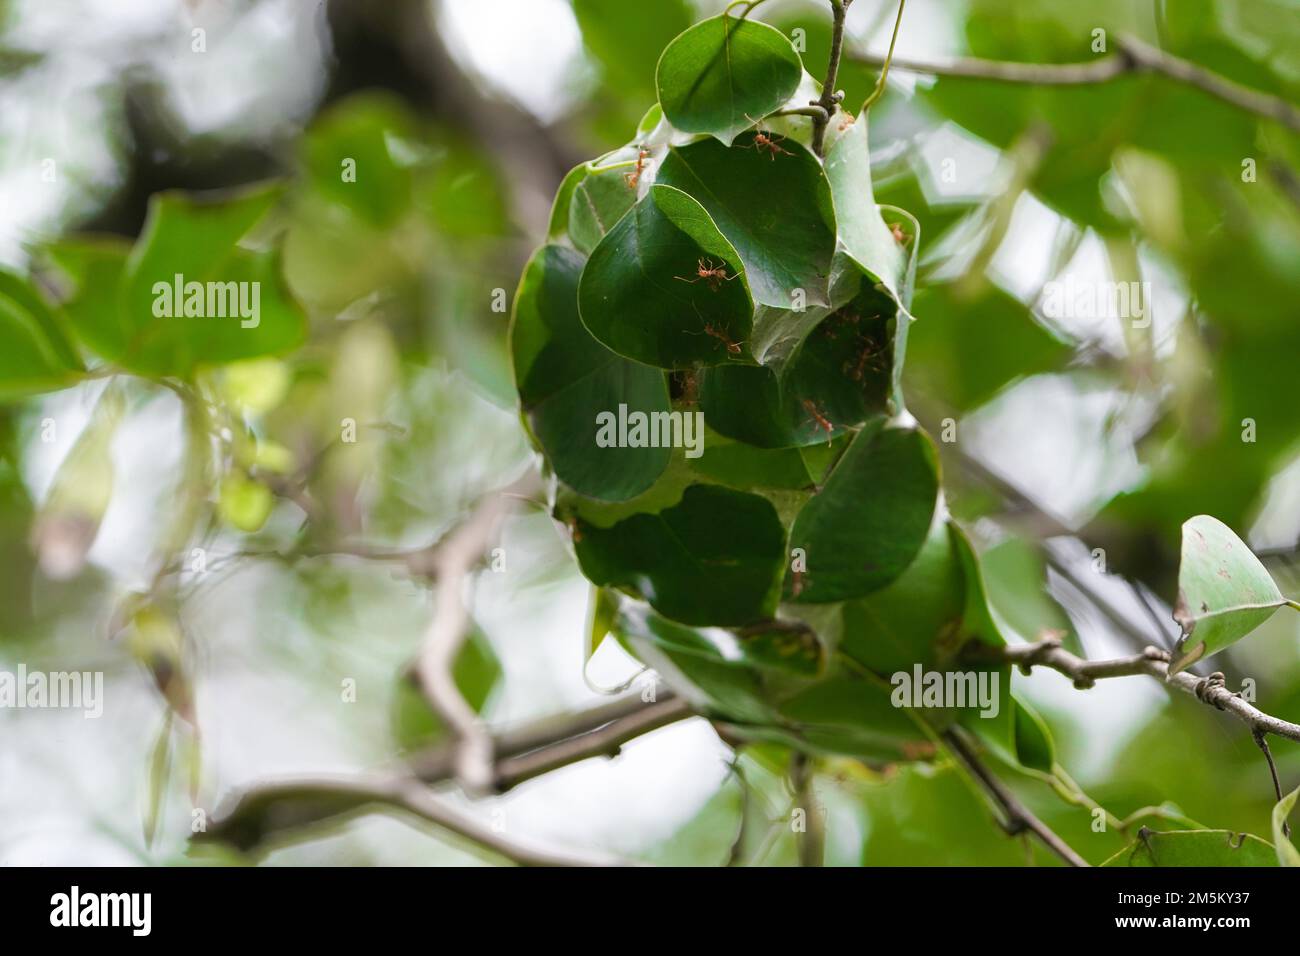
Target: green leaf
[[1195, 848], [723, 75], [361, 154], [743, 466], [244, 502], [913, 619], [233, 303], [715, 558], [477, 672], [839, 374], [159, 775], [566, 379], [955, 327], [847, 715], [69, 519], [870, 520], [697, 663], [599, 200], [1035, 748], [981, 622], [1287, 855], [602, 612], [641, 296], [862, 230], [35, 356], [1224, 592], [776, 209], [558, 227]]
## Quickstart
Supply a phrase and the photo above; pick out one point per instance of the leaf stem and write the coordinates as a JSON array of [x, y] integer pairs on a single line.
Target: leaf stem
[[879, 91], [749, 6]]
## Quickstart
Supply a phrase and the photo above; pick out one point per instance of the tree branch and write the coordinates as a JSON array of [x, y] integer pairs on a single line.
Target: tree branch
[[446, 636], [452, 561], [1133, 57], [1152, 662], [830, 98], [812, 841], [275, 809], [606, 741], [1018, 818]]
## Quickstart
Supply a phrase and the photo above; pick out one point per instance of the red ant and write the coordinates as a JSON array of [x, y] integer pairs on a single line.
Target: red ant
[[899, 235], [770, 143], [689, 386], [871, 357], [764, 140], [721, 336], [822, 422], [634, 178], [715, 275]]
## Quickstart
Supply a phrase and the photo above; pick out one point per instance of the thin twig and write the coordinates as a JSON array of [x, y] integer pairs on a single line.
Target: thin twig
[[879, 91], [830, 98], [1152, 662], [1133, 57], [1261, 741], [1017, 817]]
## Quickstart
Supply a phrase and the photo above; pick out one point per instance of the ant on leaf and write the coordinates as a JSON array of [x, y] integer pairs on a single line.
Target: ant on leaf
[[900, 237], [721, 336], [706, 270], [633, 178], [870, 358], [819, 419], [766, 141]]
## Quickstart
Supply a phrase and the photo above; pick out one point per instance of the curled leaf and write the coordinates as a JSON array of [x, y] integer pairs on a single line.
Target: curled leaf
[[1224, 592]]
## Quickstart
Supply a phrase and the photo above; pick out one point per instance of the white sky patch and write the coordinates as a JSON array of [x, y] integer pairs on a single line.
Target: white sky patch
[[1067, 441], [956, 166], [251, 44], [146, 453], [1278, 523], [928, 32], [1023, 261], [531, 50]]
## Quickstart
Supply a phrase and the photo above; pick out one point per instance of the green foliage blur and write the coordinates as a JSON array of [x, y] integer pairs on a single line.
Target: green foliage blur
[[192, 528]]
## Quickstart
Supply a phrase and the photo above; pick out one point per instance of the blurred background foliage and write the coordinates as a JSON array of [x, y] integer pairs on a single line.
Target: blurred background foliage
[[1080, 440]]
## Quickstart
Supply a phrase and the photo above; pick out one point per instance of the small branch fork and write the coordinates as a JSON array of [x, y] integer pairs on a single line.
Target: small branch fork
[[1132, 57], [824, 108], [830, 99]]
